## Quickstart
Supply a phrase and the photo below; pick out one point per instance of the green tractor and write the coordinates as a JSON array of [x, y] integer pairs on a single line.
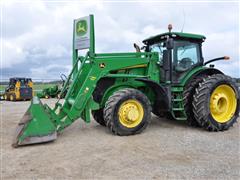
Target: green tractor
[[121, 90], [54, 91]]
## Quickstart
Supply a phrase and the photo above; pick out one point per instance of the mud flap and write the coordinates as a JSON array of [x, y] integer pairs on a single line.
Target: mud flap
[[36, 126]]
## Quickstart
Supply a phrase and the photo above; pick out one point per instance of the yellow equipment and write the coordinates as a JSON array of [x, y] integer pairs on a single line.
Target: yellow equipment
[[19, 89]]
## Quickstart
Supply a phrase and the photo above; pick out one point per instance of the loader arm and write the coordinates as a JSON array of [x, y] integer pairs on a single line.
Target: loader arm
[[91, 70], [78, 101]]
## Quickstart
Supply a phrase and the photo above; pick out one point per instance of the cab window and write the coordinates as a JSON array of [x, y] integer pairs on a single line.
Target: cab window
[[159, 47], [186, 54]]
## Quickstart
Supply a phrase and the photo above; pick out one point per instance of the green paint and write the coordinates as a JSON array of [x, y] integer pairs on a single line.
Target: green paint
[[176, 35], [188, 76], [87, 70]]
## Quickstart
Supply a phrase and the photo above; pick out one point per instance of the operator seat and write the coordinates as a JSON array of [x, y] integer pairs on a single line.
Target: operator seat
[[184, 64]]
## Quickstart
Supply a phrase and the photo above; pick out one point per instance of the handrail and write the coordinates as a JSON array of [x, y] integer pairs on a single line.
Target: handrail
[[69, 76]]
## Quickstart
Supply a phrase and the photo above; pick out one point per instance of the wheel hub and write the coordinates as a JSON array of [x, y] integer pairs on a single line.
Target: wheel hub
[[219, 103], [223, 103], [130, 113]]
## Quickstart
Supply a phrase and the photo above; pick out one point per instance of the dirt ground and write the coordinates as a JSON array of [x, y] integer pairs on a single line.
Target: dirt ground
[[165, 150]]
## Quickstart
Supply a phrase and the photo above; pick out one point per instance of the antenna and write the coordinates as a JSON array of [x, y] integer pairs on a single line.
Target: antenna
[[183, 20]]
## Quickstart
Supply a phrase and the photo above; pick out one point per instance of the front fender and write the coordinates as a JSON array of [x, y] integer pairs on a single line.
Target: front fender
[[162, 94]]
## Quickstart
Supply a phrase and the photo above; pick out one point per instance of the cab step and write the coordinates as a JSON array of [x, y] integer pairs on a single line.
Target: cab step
[[178, 109], [177, 100]]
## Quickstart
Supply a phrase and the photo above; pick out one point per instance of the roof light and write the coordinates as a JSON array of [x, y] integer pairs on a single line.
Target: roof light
[[170, 28]]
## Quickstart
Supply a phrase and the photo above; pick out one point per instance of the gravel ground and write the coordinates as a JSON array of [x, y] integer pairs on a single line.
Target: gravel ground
[[165, 150]]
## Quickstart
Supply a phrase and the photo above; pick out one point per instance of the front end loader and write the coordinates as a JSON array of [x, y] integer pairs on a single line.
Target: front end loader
[[121, 90]]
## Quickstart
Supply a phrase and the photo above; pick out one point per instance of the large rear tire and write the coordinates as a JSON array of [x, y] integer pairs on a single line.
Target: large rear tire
[[216, 103], [188, 93], [127, 112], [98, 117]]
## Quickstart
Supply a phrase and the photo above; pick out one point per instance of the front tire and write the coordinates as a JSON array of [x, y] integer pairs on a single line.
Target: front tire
[[6, 97], [98, 117], [12, 97], [216, 103], [127, 112]]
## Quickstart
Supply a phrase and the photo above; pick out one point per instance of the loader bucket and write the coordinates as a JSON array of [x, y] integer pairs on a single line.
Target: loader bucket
[[36, 126]]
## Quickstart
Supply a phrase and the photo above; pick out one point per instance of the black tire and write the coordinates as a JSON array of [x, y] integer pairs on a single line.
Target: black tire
[[98, 116], [12, 97], [189, 91], [6, 97], [112, 107], [201, 102]]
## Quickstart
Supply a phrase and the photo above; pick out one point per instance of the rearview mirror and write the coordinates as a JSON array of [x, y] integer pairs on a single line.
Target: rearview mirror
[[166, 62], [169, 43]]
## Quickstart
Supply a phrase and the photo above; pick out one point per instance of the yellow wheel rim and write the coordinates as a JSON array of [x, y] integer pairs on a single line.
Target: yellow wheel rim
[[223, 103], [11, 97], [130, 113]]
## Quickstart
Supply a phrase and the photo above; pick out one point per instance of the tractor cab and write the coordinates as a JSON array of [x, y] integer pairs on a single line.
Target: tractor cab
[[180, 50], [20, 82]]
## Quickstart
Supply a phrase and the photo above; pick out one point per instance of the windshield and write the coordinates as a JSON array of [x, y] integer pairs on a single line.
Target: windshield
[[185, 54], [159, 47]]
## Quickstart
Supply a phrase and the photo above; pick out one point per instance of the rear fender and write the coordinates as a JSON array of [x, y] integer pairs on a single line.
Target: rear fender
[[206, 71]]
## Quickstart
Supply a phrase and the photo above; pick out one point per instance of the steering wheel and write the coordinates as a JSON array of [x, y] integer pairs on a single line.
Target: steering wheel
[[184, 64]]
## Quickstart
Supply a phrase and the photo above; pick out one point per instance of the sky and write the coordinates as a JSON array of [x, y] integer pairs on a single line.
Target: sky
[[37, 37]]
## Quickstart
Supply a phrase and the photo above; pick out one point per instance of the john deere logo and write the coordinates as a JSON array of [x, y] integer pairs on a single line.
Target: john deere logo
[[81, 27]]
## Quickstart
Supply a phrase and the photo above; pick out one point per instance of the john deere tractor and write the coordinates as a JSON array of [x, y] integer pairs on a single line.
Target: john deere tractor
[[169, 78], [53, 91]]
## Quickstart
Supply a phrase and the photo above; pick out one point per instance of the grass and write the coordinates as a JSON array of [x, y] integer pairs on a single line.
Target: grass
[[36, 87]]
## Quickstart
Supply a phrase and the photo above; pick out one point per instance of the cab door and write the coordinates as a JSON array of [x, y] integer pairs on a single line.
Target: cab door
[[186, 56]]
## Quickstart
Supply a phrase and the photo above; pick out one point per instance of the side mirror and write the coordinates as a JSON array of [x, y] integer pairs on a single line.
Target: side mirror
[[136, 47], [166, 62], [167, 65], [169, 43]]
